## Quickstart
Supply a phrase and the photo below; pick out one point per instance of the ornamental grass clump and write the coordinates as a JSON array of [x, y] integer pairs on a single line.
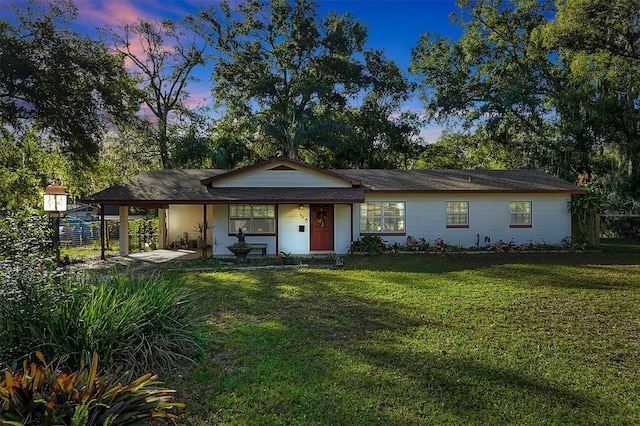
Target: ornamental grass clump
[[135, 322], [141, 322], [40, 395]]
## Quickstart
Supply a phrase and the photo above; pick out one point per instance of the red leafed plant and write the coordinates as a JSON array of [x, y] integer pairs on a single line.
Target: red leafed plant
[[38, 395]]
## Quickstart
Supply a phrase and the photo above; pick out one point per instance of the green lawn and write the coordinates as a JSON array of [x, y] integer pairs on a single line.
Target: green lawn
[[422, 339]]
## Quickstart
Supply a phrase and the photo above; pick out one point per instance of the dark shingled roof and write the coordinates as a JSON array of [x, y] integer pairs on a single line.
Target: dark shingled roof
[[158, 186], [161, 187], [460, 181]]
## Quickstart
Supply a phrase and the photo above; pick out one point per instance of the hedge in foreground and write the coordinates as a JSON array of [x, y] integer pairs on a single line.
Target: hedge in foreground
[[141, 322], [38, 395], [147, 323]]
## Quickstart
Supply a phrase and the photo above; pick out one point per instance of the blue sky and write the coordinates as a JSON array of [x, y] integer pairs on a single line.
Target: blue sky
[[396, 26], [393, 26]]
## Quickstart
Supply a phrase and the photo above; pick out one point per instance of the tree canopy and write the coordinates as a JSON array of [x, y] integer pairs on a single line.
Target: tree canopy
[[60, 92], [528, 84], [295, 74], [534, 84], [58, 82], [163, 56]]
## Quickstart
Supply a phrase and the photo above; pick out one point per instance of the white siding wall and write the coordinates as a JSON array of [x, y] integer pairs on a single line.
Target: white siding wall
[[290, 217], [425, 217], [263, 178], [489, 216], [342, 227]]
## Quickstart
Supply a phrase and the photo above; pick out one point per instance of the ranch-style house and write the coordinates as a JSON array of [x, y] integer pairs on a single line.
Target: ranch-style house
[[283, 205]]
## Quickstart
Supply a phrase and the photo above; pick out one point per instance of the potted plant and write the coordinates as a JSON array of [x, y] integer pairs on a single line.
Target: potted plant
[[287, 259], [202, 228]]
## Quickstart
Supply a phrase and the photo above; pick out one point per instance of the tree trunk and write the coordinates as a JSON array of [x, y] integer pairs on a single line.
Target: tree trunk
[[163, 143]]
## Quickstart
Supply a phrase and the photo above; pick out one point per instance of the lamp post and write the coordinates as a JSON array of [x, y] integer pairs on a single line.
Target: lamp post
[[55, 201]]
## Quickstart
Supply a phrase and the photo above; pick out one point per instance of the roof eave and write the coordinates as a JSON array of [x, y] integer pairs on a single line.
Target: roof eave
[[478, 191], [209, 181]]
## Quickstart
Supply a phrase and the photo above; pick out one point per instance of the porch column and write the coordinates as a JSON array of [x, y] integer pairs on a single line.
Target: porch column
[[124, 230], [204, 220], [277, 228], [162, 229], [103, 230], [351, 216]]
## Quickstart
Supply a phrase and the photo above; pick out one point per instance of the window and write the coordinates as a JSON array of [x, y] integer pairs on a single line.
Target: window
[[520, 214], [457, 214], [252, 218], [382, 217]]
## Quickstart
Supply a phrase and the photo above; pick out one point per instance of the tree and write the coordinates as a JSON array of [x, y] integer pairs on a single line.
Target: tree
[[382, 136], [294, 74], [598, 25], [499, 80], [163, 55], [475, 151], [600, 42], [539, 87], [23, 168], [65, 86]]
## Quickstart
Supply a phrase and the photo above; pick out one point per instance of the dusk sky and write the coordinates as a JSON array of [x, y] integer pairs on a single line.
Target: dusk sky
[[393, 26]]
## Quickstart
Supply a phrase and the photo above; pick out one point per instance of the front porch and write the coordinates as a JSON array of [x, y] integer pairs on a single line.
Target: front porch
[[299, 229]]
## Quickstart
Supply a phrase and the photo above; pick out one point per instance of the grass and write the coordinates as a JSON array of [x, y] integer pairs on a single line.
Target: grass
[[86, 252], [424, 339]]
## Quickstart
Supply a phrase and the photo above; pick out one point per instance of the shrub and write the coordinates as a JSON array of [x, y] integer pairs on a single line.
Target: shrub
[[38, 395], [30, 283], [417, 244], [372, 244], [145, 322], [411, 244]]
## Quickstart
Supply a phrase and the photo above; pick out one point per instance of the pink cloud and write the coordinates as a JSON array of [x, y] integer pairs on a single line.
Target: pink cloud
[[104, 12], [116, 12], [199, 95]]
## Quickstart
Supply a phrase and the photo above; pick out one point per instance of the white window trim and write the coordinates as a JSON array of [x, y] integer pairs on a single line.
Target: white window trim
[[383, 217], [251, 218], [456, 225], [529, 224]]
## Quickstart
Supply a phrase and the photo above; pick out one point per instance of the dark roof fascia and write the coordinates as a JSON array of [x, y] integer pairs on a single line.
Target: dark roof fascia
[[477, 191], [151, 204], [207, 182], [292, 201], [165, 205]]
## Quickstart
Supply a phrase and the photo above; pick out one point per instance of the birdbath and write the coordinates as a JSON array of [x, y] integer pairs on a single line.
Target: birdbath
[[240, 248]]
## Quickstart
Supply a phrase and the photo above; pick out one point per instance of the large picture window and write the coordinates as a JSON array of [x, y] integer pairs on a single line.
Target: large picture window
[[382, 217], [457, 214], [252, 218], [520, 214]]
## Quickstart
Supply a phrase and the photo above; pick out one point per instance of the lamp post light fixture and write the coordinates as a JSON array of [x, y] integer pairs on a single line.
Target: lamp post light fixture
[[55, 201]]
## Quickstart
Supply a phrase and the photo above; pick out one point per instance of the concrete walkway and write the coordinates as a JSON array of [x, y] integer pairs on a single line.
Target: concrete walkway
[[162, 256]]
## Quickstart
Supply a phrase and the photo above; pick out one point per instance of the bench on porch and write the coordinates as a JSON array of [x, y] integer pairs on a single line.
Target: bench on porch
[[261, 246]]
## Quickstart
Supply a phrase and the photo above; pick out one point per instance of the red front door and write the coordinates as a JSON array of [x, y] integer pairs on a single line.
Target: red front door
[[321, 227]]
